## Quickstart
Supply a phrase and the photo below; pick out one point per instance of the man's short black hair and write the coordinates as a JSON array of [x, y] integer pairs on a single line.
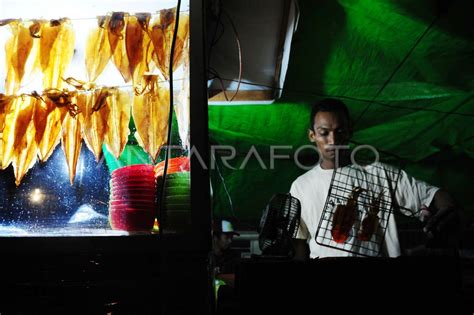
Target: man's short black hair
[[329, 105]]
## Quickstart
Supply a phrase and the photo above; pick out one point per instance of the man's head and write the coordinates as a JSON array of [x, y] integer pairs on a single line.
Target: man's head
[[223, 233], [329, 127]]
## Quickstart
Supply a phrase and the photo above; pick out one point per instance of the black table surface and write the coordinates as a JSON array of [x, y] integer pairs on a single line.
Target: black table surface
[[350, 285]]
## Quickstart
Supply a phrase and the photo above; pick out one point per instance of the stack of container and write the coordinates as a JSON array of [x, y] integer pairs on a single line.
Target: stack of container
[[177, 192], [133, 198]]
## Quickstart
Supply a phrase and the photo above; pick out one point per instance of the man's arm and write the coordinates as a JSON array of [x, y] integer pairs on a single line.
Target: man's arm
[[301, 249], [445, 216]]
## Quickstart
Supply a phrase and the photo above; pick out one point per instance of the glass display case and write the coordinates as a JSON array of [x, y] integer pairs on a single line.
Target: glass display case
[[86, 96], [99, 117]]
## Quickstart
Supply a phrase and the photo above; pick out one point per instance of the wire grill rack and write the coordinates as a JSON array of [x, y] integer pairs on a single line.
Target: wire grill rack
[[358, 207]]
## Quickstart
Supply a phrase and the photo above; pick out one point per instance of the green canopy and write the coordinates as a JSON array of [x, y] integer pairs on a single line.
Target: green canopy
[[405, 70]]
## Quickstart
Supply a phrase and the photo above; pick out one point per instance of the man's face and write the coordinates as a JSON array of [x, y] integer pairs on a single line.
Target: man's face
[[329, 129], [225, 240]]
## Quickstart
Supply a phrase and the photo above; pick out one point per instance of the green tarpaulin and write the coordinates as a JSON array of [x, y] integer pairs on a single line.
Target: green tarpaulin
[[405, 70]]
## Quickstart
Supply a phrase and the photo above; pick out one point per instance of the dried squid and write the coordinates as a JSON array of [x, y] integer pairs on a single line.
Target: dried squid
[[162, 35], [94, 116], [98, 51], [115, 29], [24, 156], [71, 143], [116, 136], [371, 221], [56, 51], [5, 105], [137, 44], [345, 216], [117, 43], [15, 131], [182, 104], [18, 50], [47, 118], [150, 113]]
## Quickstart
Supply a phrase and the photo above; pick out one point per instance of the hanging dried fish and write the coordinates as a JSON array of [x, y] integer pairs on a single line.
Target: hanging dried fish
[[115, 29], [182, 104], [18, 118], [121, 61], [71, 143], [35, 28], [162, 35], [47, 119], [24, 146], [98, 51], [64, 99], [181, 40], [182, 109], [94, 116], [150, 113], [56, 51], [116, 136], [160, 31], [79, 84], [26, 158], [50, 32], [17, 51], [5, 105], [134, 35], [8, 133], [116, 34]]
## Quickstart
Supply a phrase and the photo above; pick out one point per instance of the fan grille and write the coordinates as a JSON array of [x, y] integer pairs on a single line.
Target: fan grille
[[278, 224]]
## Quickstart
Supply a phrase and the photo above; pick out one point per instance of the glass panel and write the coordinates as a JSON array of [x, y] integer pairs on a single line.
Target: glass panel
[[84, 118]]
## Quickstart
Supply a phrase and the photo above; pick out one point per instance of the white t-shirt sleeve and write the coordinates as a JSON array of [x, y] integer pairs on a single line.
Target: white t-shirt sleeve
[[303, 232], [413, 194]]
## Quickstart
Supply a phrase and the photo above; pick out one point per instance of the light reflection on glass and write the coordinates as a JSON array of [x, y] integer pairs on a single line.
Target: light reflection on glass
[[37, 196]]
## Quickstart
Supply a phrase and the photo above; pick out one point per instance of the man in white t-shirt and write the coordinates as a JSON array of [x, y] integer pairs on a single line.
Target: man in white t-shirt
[[330, 128]]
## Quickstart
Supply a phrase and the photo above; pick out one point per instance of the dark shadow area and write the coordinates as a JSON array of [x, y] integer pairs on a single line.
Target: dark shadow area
[[455, 19], [454, 16], [351, 285], [320, 25], [99, 283]]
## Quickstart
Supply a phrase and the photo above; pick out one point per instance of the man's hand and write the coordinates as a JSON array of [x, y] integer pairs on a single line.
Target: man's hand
[[444, 223], [445, 220]]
